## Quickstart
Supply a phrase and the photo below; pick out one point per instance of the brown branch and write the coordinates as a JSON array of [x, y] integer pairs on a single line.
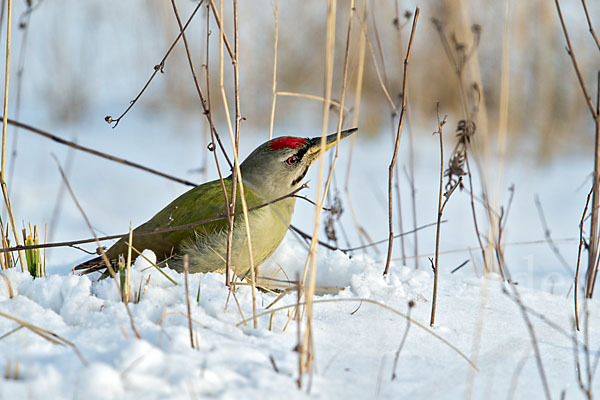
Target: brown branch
[[588, 99], [592, 270], [159, 67], [439, 217], [213, 132], [475, 223], [581, 242], [305, 235], [163, 230], [589, 21], [397, 144], [216, 14], [205, 106], [97, 153], [441, 206]]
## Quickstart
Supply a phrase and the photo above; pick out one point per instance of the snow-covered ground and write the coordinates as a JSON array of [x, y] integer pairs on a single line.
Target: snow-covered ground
[[355, 342], [478, 319], [354, 350]]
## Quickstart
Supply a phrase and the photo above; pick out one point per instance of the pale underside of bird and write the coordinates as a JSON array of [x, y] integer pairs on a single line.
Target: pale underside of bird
[[271, 173]]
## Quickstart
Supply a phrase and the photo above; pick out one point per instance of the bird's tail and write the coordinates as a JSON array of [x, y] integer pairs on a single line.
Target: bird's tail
[[94, 265]]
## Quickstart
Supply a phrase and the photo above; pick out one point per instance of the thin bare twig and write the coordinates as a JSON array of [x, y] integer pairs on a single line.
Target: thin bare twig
[[213, 132], [206, 110], [516, 297], [162, 230], [397, 143], [439, 216], [441, 206], [548, 235], [159, 67], [581, 242], [593, 250], [96, 152], [411, 304], [104, 257], [379, 304], [591, 27]]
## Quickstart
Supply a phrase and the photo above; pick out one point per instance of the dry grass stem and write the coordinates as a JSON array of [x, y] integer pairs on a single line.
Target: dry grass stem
[[439, 216], [306, 345], [46, 334], [516, 297], [310, 97], [124, 235], [379, 304], [411, 304], [4, 135], [8, 286], [104, 257], [139, 253], [186, 267], [397, 142], [276, 39]]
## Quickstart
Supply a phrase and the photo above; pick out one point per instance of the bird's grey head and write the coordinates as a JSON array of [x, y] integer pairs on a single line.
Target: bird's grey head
[[279, 166]]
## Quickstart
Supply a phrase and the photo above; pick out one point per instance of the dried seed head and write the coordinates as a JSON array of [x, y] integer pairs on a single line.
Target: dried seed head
[[464, 130]]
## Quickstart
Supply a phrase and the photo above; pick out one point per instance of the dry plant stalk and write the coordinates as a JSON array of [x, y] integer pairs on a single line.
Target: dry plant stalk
[[581, 243], [4, 134], [186, 267], [235, 140], [72, 243], [441, 205], [411, 304], [311, 260], [207, 111], [275, 41], [458, 55], [397, 143], [516, 297], [379, 304], [592, 269], [104, 257], [362, 234], [45, 334]]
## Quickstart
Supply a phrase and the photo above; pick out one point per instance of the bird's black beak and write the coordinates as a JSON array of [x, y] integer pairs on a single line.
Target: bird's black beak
[[330, 141]]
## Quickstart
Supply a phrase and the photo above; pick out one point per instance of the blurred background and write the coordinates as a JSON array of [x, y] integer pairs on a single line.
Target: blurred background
[[74, 63]]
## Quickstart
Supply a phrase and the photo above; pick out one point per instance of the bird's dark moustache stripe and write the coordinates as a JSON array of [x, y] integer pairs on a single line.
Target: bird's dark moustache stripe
[[298, 179]]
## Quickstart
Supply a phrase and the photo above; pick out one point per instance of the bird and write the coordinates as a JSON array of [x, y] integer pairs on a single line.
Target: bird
[[270, 174]]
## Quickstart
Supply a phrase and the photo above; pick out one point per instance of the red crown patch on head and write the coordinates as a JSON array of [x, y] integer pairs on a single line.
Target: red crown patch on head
[[287, 142]]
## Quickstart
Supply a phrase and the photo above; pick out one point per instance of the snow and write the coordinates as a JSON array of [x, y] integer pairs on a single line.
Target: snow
[[355, 342], [357, 324]]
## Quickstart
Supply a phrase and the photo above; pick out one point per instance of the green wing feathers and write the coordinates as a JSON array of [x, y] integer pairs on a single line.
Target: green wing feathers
[[200, 203]]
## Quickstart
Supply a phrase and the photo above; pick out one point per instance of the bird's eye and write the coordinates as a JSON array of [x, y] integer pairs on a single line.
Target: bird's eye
[[293, 160]]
